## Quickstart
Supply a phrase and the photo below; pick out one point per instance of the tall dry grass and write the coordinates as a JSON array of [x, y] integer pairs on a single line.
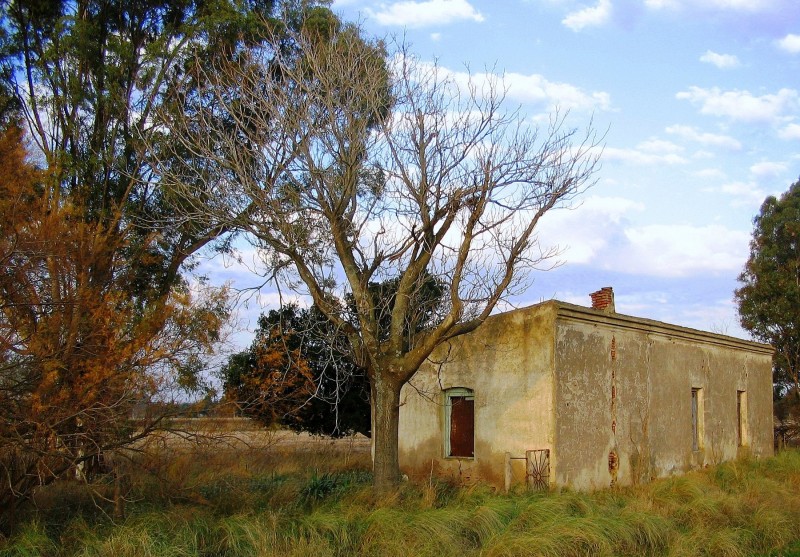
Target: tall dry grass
[[276, 502]]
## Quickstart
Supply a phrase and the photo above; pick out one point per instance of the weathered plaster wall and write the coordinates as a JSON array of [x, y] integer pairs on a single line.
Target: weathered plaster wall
[[623, 399], [720, 372], [608, 394], [508, 363]]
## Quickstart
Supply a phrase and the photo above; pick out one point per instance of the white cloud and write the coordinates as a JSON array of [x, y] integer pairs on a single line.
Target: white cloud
[[681, 250], [720, 316], [742, 105], [599, 233], [659, 147], [792, 131], [650, 152], [722, 61], [704, 138], [767, 169], [424, 14], [790, 43], [586, 230], [738, 5], [589, 16], [743, 194], [710, 173], [748, 6], [272, 299], [662, 4], [639, 157], [436, 36], [536, 88]]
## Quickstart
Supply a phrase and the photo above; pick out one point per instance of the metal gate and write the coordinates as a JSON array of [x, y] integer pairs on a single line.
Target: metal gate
[[537, 469]]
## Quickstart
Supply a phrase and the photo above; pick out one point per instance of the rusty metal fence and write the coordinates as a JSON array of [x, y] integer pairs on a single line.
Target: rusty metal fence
[[537, 469]]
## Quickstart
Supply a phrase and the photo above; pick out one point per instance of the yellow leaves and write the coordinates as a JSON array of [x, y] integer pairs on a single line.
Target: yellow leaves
[[80, 347], [17, 174], [278, 382], [280, 374]]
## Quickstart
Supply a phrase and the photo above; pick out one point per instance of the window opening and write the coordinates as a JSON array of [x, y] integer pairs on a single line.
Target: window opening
[[741, 418], [460, 423], [697, 419]]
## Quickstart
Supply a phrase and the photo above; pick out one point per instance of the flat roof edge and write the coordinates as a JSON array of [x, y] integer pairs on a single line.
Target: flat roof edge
[[588, 315]]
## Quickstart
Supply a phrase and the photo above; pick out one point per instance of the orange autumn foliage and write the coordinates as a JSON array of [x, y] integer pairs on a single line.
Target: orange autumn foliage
[[278, 382], [77, 352]]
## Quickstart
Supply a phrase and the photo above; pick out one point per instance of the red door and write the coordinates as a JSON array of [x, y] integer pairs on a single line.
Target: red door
[[462, 427]]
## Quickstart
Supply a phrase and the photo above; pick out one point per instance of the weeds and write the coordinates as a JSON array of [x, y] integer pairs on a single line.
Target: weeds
[[325, 486], [262, 505]]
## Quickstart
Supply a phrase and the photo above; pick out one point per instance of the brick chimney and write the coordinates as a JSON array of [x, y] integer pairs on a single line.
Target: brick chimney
[[603, 299]]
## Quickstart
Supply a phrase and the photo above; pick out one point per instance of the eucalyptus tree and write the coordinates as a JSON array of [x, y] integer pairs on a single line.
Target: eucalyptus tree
[[769, 295], [87, 76], [96, 314], [351, 164]]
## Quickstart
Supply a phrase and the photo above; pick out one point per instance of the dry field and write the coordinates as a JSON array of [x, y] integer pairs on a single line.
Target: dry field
[[221, 488], [242, 433]]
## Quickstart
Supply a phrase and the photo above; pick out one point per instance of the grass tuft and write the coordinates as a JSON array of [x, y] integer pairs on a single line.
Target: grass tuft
[[263, 506], [32, 540]]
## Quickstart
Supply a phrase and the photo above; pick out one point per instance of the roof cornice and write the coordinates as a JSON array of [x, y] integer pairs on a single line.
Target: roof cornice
[[573, 312]]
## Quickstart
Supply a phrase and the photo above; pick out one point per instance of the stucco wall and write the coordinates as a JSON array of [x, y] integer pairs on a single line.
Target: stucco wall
[[608, 394], [508, 363], [623, 399]]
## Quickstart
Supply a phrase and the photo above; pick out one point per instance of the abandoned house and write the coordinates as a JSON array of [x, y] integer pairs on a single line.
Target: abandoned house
[[563, 395]]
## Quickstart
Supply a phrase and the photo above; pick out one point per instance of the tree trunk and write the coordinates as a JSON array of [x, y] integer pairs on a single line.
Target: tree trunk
[[385, 420]]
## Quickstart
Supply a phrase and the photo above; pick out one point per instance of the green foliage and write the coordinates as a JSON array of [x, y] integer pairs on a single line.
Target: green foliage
[[427, 299], [97, 313], [324, 486], [339, 402], [101, 71], [32, 540], [769, 298]]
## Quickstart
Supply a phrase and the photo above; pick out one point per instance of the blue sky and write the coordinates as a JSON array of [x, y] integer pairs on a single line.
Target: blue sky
[[701, 100]]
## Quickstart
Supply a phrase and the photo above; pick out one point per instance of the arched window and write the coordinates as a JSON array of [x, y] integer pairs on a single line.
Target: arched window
[[459, 412]]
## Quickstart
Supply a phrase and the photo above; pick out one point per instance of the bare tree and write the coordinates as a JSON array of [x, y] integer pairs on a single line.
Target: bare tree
[[349, 165]]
